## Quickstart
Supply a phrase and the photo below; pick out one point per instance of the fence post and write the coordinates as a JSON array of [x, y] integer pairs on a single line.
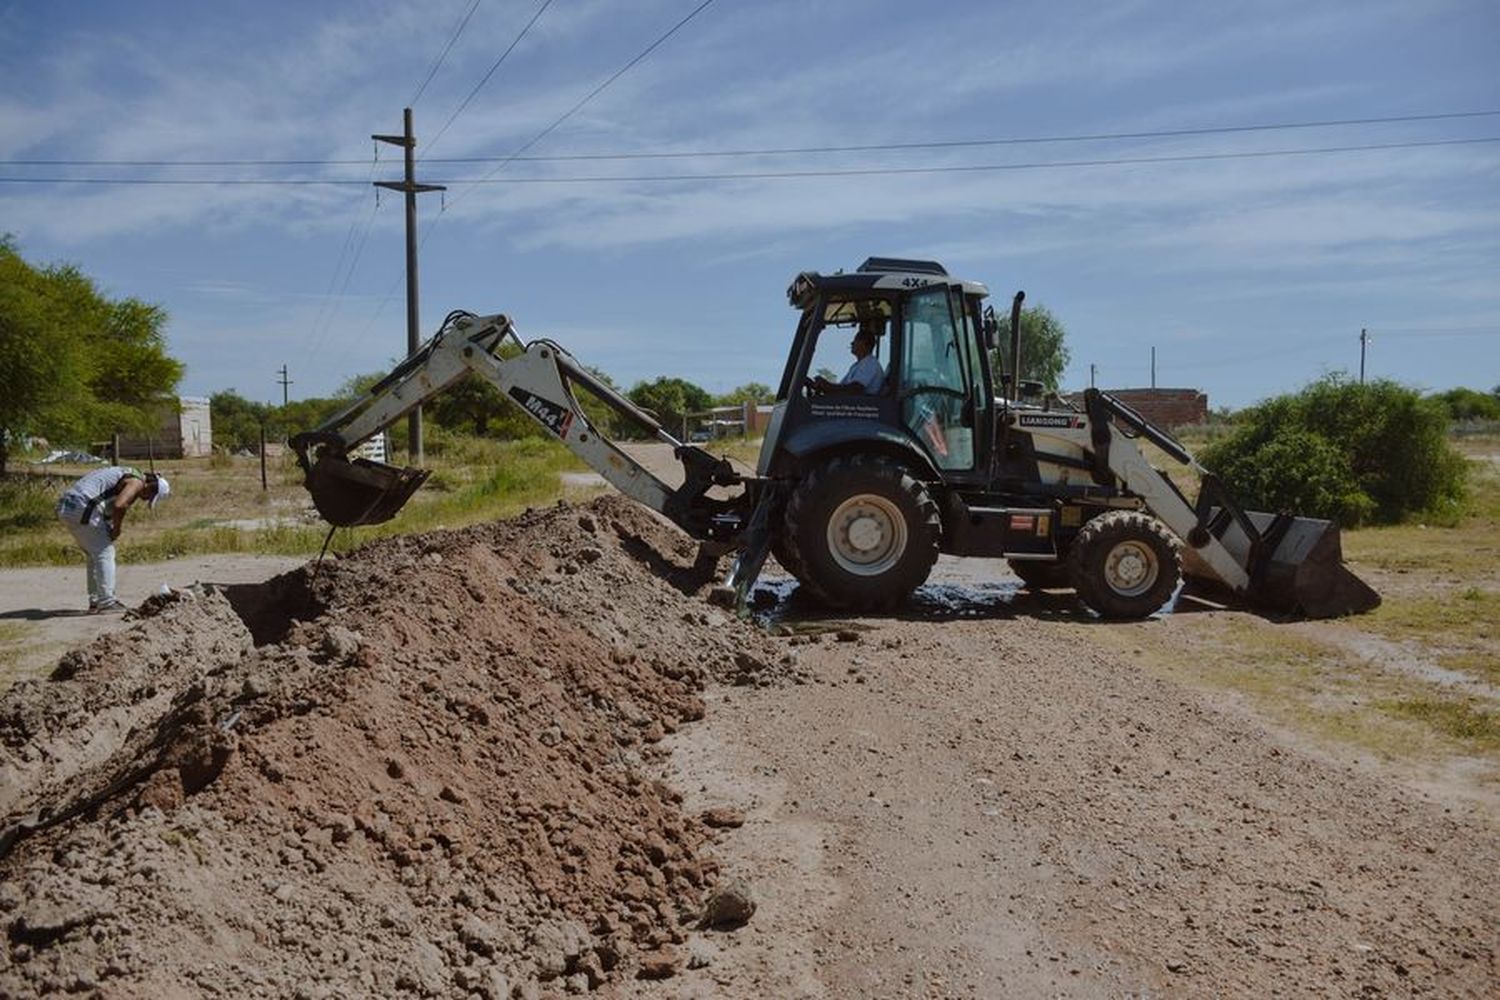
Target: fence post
[[263, 458]]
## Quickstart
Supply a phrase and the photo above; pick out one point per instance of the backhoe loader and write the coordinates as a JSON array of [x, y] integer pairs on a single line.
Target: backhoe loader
[[856, 493]]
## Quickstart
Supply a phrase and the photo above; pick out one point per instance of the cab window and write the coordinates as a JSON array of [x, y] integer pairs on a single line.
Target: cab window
[[935, 379]]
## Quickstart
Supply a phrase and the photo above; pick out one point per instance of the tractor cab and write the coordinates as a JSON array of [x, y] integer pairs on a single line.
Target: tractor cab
[[930, 404]]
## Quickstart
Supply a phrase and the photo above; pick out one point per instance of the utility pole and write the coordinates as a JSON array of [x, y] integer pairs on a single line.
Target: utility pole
[[411, 189], [1092, 370], [1364, 340], [1153, 367], [283, 382]]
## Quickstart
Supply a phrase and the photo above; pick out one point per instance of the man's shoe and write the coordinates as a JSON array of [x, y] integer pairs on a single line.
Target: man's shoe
[[113, 606]]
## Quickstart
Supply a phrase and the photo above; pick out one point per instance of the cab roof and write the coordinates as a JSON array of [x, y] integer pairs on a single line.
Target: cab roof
[[891, 275]]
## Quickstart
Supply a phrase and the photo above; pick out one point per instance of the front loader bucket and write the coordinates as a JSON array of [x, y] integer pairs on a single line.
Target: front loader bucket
[[1298, 567], [360, 492]]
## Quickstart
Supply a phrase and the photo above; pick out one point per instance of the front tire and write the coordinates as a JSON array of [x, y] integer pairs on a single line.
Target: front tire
[[861, 532], [1125, 564]]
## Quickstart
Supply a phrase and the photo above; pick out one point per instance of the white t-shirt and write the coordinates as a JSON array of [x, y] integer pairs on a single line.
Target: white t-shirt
[[94, 486], [868, 373]]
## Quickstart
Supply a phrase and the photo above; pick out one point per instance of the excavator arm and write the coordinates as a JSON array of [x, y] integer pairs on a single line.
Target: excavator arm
[[540, 378]]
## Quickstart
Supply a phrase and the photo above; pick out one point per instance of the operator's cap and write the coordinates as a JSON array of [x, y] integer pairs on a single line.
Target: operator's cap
[[163, 489]]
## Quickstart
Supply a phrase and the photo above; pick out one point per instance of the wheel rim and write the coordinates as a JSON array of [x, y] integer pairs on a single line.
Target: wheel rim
[[866, 535], [1131, 568]]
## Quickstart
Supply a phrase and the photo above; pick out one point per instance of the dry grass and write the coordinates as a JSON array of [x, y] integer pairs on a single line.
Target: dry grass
[[1317, 688], [1457, 629], [1441, 594], [218, 505], [1462, 721], [1463, 554]]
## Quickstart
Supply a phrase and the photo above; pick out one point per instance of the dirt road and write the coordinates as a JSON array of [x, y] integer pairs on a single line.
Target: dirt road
[[990, 795], [1000, 808], [44, 605]]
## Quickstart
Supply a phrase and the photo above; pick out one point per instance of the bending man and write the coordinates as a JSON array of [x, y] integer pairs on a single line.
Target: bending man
[[94, 509]]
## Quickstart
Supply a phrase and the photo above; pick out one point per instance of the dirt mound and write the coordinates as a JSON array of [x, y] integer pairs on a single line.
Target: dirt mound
[[429, 770]]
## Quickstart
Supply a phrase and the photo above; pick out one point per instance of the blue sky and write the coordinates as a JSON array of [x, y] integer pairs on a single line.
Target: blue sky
[[1249, 276]]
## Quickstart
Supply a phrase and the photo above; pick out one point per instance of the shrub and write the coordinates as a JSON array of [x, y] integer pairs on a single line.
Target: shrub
[[1372, 453], [1469, 404], [26, 502]]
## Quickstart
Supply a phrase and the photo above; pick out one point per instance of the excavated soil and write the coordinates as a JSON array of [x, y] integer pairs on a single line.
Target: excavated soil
[[458, 765], [429, 769]]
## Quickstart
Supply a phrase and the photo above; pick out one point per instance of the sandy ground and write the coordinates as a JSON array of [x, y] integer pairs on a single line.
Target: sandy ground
[[990, 796], [47, 603], [998, 807]]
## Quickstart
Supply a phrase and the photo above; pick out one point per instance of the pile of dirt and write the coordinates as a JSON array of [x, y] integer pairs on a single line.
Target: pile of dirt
[[430, 769]]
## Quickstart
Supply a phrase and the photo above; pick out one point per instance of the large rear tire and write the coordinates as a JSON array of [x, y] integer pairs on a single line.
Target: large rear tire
[[861, 533], [785, 553], [1125, 564]]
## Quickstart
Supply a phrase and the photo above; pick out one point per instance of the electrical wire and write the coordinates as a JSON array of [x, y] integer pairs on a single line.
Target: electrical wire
[[790, 150], [329, 308], [491, 72], [452, 38], [588, 97], [1434, 331], [784, 174]]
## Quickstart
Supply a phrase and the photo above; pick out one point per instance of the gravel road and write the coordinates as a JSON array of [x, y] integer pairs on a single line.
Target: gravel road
[[986, 796]]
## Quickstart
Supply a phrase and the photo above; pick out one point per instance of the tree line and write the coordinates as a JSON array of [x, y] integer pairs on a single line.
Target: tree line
[[472, 406], [75, 364]]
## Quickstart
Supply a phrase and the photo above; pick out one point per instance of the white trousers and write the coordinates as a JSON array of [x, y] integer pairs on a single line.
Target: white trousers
[[93, 538]]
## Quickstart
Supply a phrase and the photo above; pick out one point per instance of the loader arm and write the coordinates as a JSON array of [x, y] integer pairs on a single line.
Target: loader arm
[[1279, 560], [538, 377]]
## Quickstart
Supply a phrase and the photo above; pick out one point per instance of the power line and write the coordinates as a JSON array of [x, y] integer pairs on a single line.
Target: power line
[[491, 72], [989, 167], [591, 95], [452, 38], [324, 324], [978, 143], [328, 309], [1434, 331], [782, 150], [550, 128], [781, 174]]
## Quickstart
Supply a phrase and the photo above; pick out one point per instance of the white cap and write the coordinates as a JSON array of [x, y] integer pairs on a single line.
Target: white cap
[[163, 490]]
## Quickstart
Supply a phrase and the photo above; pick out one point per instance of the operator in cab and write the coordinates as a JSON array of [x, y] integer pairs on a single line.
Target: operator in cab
[[865, 376]]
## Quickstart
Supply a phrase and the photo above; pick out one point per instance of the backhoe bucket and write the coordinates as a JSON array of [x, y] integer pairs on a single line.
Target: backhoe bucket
[[1298, 567], [360, 492]]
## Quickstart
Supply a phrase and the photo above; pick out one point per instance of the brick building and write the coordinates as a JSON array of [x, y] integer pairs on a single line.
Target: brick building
[[1166, 408]]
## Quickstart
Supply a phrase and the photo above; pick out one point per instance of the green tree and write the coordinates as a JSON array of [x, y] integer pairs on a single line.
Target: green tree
[[671, 400], [1375, 452], [236, 420], [469, 405], [750, 392], [1469, 404], [1044, 354], [77, 364]]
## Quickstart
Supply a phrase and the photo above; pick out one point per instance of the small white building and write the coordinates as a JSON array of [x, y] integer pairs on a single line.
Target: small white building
[[183, 431]]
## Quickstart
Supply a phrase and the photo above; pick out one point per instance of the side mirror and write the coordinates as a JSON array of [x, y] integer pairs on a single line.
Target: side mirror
[[991, 328]]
